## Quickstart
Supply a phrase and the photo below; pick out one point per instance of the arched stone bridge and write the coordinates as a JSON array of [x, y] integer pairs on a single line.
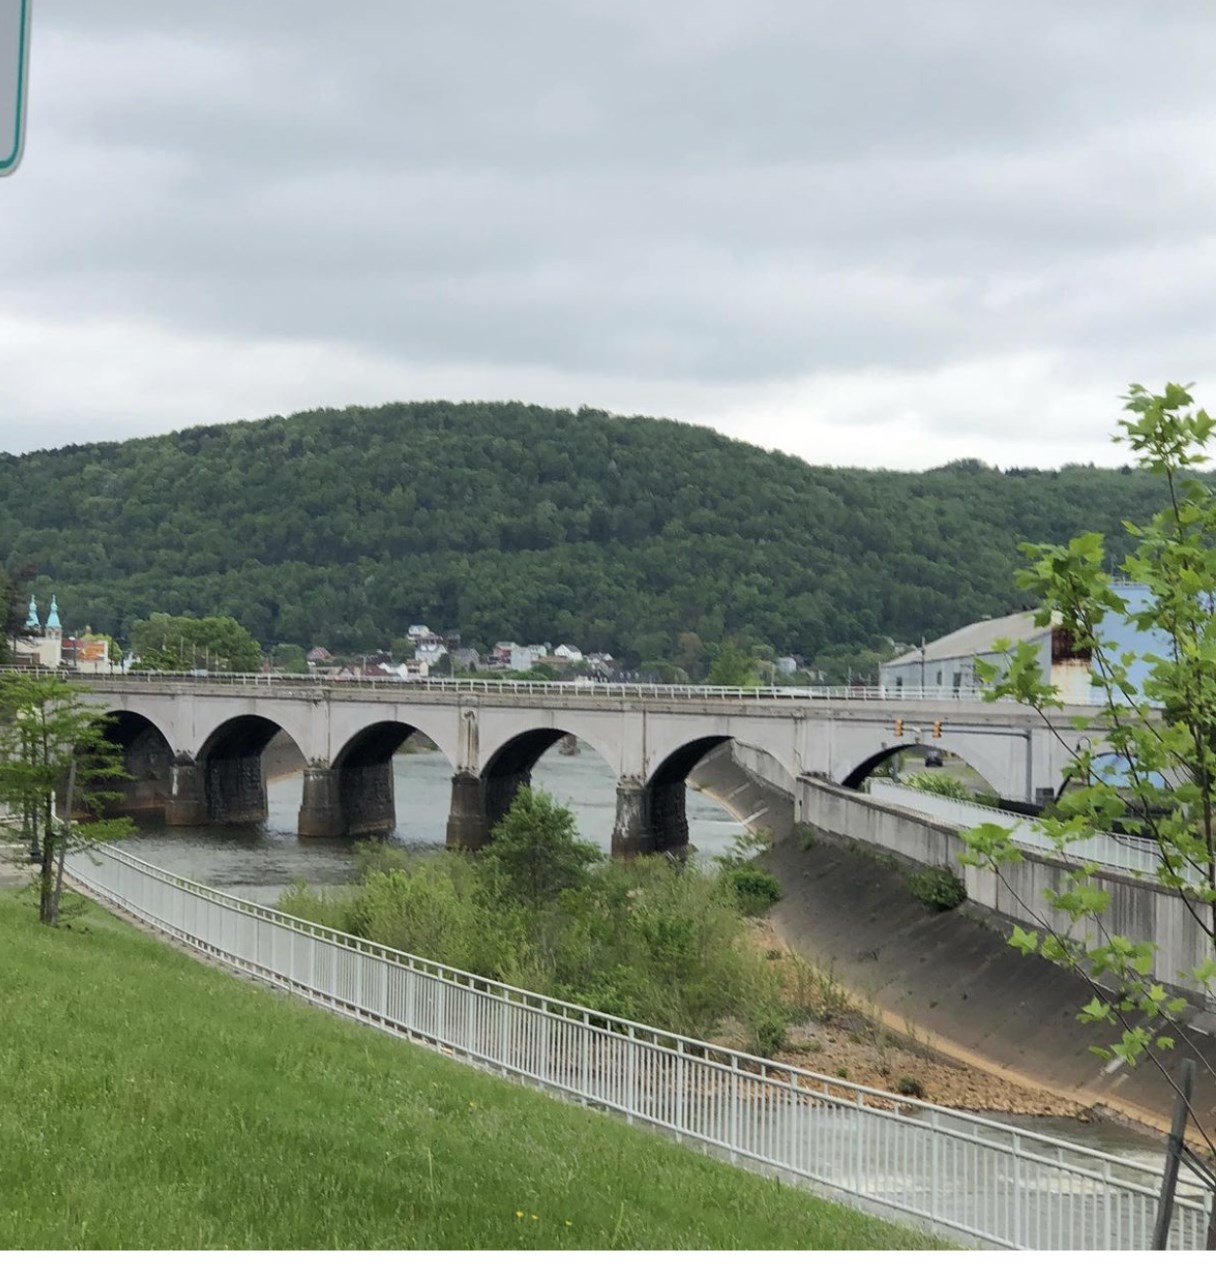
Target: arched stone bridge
[[194, 746]]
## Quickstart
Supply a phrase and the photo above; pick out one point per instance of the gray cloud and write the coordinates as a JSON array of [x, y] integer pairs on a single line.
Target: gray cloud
[[713, 209]]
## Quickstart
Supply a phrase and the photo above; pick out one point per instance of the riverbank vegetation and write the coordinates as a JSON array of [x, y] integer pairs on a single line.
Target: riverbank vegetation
[[540, 909], [152, 1102], [652, 540]]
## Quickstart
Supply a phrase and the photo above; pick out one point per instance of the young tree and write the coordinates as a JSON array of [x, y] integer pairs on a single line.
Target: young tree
[[45, 729], [14, 595], [732, 667], [538, 848], [1150, 764]]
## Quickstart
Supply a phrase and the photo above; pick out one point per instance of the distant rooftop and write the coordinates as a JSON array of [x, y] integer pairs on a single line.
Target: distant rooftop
[[976, 637]]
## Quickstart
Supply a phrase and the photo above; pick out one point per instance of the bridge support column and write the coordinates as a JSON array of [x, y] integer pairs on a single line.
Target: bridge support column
[[669, 816], [468, 822], [321, 804], [367, 798], [186, 804], [632, 835], [236, 790]]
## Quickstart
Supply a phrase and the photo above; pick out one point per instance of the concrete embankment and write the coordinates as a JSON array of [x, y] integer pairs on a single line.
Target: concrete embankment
[[949, 978]]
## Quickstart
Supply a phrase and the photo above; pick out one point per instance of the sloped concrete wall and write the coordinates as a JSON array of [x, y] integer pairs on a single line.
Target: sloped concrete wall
[[948, 977], [1138, 908]]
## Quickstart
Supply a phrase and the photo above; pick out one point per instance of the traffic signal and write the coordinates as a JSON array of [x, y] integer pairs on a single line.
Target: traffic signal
[[937, 728], [899, 728]]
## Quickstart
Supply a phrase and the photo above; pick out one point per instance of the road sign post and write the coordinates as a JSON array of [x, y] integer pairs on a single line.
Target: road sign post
[[14, 80]]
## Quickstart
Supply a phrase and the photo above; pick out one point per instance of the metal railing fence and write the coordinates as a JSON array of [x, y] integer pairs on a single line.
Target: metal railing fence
[[986, 1181], [1133, 854], [593, 689]]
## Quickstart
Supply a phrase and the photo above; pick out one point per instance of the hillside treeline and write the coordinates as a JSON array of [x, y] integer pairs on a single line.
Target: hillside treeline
[[649, 539]]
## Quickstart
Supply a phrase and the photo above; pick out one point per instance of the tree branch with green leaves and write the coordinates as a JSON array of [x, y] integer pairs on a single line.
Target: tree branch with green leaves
[[1148, 765]]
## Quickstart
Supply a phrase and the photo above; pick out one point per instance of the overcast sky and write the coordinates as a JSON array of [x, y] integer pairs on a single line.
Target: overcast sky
[[875, 233]]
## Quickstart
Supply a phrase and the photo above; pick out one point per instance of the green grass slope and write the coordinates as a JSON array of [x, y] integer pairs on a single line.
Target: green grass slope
[[151, 1102]]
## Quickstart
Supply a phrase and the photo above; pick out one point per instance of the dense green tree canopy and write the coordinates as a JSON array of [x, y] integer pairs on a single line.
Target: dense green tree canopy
[[651, 539], [164, 643]]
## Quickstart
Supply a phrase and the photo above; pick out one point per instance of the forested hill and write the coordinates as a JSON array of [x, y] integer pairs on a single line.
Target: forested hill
[[341, 527]]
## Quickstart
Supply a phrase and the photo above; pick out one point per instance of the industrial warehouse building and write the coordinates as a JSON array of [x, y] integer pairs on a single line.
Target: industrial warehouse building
[[947, 665]]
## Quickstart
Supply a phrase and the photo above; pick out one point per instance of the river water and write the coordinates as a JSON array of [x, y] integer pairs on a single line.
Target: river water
[[260, 862]]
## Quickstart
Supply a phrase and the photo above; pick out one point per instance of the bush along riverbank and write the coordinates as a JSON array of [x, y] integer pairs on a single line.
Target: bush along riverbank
[[676, 947], [651, 941]]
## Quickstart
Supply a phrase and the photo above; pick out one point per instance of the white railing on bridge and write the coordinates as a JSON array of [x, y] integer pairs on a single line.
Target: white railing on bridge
[[963, 1174], [1133, 854], [595, 689]]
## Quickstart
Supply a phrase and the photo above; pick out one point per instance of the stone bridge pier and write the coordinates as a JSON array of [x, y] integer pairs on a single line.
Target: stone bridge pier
[[354, 800]]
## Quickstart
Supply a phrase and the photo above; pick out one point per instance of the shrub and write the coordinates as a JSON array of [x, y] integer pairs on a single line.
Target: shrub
[[329, 907], [937, 888], [542, 910], [379, 855], [910, 1087], [945, 784], [538, 848], [768, 1034], [754, 890]]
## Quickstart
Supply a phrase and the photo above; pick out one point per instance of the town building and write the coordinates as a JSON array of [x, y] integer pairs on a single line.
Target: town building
[[47, 646], [947, 665]]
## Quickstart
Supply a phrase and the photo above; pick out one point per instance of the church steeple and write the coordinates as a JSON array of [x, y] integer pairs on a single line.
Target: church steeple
[[31, 621], [52, 618]]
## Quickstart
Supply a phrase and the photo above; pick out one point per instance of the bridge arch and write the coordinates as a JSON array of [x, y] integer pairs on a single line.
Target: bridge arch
[[355, 795], [855, 777], [510, 767], [232, 783], [657, 820], [147, 761]]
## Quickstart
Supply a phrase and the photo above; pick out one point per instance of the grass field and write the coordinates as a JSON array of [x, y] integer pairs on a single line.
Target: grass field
[[149, 1101]]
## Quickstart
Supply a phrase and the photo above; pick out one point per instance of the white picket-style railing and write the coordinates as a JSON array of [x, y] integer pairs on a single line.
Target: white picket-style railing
[[960, 1174], [1133, 854], [595, 689]]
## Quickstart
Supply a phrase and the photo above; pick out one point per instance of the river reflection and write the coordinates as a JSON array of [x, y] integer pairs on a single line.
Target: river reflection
[[259, 862]]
